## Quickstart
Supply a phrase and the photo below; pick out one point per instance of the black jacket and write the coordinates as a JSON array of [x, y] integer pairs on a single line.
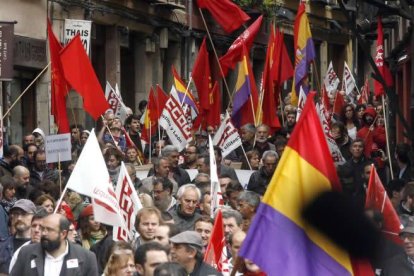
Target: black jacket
[[259, 181]]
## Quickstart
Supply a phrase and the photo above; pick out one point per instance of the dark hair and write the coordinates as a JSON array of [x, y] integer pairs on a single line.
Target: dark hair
[[408, 190], [206, 158], [11, 151], [234, 186], [80, 127], [165, 182], [395, 185], [141, 252], [142, 104], [402, 150], [26, 147], [64, 223], [343, 114], [115, 152], [38, 152], [204, 218], [218, 150], [50, 187], [358, 140], [170, 269], [8, 183]]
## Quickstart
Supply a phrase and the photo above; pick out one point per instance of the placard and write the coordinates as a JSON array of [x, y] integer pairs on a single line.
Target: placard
[[6, 51], [74, 27], [58, 148]]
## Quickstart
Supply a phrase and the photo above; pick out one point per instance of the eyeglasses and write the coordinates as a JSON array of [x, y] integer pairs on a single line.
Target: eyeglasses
[[408, 236]]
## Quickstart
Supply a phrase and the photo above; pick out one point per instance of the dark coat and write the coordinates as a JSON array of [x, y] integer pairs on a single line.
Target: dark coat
[[399, 265], [203, 269], [31, 261], [259, 181]]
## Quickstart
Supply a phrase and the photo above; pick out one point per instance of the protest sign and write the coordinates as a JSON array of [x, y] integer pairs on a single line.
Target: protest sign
[[58, 148]]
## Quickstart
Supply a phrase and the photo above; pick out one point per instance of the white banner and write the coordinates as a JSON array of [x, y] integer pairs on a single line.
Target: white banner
[[331, 80], [301, 103], [227, 137], [74, 27], [129, 203], [175, 124], [113, 96], [58, 148], [348, 81], [215, 190]]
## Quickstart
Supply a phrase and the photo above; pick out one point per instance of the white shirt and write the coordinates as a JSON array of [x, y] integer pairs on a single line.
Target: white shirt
[[53, 265]]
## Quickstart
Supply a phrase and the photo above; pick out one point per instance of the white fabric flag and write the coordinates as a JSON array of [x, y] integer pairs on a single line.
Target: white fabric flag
[[129, 204], [215, 190], [90, 177], [301, 103], [227, 137], [175, 124], [348, 81], [331, 80]]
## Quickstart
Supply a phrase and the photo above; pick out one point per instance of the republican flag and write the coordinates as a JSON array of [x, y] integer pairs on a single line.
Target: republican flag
[[278, 69], [279, 241], [175, 124], [79, 73], [235, 52], [184, 95], [59, 87], [96, 183], [202, 76], [245, 96], [304, 52], [331, 80], [215, 254], [227, 137], [227, 14], [129, 204], [377, 199], [215, 190], [380, 63]]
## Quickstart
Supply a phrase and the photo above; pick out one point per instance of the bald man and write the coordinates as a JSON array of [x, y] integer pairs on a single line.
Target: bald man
[[236, 241], [22, 176], [12, 156]]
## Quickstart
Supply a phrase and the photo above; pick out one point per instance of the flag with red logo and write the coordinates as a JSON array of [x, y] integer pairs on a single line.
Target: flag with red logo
[[331, 80], [215, 254], [114, 98], [348, 82], [227, 137], [129, 204]]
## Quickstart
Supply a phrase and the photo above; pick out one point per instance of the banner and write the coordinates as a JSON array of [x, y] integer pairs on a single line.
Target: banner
[[227, 137], [215, 189], [74, 27], [331, 81], [6, 51], [175, 124], [58, 148], [114, 98], [1, 132], [348, 82], [129, 204]]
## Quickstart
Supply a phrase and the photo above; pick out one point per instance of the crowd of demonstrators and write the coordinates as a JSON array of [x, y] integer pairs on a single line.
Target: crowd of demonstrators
[[174, 228]]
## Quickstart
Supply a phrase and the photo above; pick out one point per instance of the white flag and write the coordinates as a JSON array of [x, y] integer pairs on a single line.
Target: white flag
[[114, 98], [90, 177], [333, 146], [348, 81], [227, 137], [301, 103], [129, 204], [175, 124], [331, 81], [215, 190]]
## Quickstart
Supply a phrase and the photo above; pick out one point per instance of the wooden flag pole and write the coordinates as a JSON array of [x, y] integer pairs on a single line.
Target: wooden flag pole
[[26, 89], [60, 173], [387, 137]]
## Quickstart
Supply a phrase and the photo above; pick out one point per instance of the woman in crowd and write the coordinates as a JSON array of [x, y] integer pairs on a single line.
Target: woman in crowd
[[113, 158], [9, 191], [47, 202], [131, 156], [120, 263], [342, 139], [253, 159], [350, 120], [91, 231]]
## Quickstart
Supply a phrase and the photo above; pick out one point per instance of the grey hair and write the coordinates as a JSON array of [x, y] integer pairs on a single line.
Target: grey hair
[[249, 128], [270, 153], [230, 213], [185, 187], [201, 175], [250, 197], [168, 149], [156, 161]]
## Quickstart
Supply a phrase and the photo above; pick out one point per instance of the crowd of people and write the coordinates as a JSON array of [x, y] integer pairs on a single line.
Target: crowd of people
[[173, 229]]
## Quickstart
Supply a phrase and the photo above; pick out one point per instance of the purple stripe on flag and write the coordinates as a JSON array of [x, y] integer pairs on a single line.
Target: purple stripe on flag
[[240, 98], [301, 69], [187, 100], [280, 247]]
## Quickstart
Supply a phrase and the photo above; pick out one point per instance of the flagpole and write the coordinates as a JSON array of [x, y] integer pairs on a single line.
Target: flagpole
[[27, 89], [60, 172], [150, 141], [215, 54], [60, 199], [318, 84], [386, 136], [281, 108], [245, 155]]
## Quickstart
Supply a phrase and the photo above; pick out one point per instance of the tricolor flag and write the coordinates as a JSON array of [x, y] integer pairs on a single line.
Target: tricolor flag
[[278, 240], [377, 199], [245, 95], [227, 137], [331, 80], [184, 96], [129, 204], [215, 190], [175, 124], [96, 183], [304, 52]]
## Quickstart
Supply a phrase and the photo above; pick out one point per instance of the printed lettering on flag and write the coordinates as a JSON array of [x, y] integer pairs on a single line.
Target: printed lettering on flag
[[129, 204], [348, 82], [175, 123], [113, 96], [331, 80], [227, 137]]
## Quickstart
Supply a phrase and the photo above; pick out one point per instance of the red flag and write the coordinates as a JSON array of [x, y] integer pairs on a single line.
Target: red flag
[[202, 76], [235, 52], [338, 104], [59, 87], [282, 68], [364, 93], [361, 267], [80, 74], [227, 14], [213, 114], [379, 61], [150, 118], [377, 199], [214, 253], [162, 98]]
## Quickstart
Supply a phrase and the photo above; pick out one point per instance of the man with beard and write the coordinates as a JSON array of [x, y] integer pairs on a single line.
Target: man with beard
[[35, 233], [162, 194], [22, 176], [262, 144], [54, 255], [40, 171], [21, 215], [190, 158], [13, 156], [29, 152]]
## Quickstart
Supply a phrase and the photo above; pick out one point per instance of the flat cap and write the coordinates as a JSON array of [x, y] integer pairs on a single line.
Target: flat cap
[[408, 229], [188, 237], [26, 205]]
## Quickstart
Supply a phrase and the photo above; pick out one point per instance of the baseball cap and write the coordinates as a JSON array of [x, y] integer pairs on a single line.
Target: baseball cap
[[26, 205], [188, 237]]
